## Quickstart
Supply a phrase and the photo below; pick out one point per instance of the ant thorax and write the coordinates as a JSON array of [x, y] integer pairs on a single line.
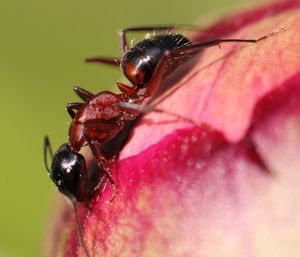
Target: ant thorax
[[100, 119]]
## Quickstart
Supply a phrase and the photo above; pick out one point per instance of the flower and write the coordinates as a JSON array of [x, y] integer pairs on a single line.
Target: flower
[[226, 186]]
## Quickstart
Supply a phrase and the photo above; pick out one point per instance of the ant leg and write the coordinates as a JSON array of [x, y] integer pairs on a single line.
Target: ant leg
[[97, 132], [104, 60], [100, 161], [82, 93], [124, 45], [160, 68], [73, 106], [47, 148], [157, 75], [122, 33], [168, 28], [196, 46], [155, 80]]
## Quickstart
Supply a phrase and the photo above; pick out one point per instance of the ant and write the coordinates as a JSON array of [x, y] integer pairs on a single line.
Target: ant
[[104, 116]]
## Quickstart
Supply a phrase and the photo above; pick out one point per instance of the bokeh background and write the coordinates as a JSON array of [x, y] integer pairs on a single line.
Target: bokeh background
[[42, 47]]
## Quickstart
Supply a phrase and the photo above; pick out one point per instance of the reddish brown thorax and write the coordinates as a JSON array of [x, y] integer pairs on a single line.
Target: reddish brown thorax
[[102, 108]]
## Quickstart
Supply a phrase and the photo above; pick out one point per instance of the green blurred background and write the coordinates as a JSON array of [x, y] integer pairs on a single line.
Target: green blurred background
[[42, 47]]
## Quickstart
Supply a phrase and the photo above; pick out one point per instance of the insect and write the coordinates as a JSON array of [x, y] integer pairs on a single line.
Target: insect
[[103, 117], [99, 123]]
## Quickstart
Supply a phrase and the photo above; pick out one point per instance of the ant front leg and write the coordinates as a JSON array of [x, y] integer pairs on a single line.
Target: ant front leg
[[197, 46], [167, 28], [124, 45]]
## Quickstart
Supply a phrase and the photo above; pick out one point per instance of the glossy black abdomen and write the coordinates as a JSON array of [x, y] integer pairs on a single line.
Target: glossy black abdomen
[[139, 62]]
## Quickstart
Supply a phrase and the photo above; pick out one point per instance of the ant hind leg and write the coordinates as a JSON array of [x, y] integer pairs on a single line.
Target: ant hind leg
[[97, 132], [198, 46]]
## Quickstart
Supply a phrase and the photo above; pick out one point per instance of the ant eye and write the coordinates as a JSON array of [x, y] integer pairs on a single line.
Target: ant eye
[[68, 172], [59, 183]]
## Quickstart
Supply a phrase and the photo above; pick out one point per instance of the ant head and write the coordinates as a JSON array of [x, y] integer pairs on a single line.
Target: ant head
[[68, 172], [134, 74], [139, 64]]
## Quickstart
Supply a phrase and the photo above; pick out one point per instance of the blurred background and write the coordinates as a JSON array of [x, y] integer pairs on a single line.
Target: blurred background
[[42, 47]]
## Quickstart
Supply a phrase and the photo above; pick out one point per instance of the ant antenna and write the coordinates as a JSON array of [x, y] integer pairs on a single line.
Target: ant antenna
[[79, 230], [47, 148]]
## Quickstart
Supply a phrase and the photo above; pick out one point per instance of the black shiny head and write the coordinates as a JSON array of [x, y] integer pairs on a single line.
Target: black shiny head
[[68, 172], [139, 63]]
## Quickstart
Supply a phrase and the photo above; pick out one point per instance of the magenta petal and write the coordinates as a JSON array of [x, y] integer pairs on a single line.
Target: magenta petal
[[183, 196]]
